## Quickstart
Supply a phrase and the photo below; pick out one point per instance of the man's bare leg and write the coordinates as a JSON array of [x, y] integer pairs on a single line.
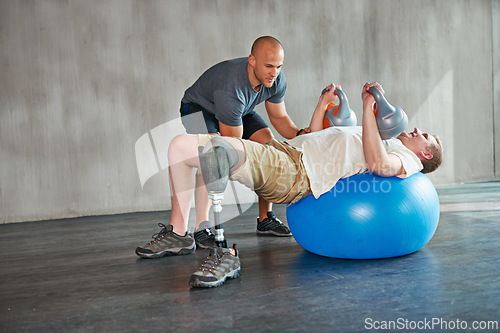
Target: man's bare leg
[[182, 159], [201, 201], [173, 237]]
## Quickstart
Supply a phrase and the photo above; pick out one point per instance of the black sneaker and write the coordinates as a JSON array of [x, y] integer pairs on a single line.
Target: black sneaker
[[271, 225], [221, 263], [165, 243], [204, 237]]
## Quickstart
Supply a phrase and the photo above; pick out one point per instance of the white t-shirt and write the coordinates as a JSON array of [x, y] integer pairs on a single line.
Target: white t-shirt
[[337, 152]]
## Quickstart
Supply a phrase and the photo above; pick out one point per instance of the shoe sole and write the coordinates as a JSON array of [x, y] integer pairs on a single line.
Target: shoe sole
[[182, 251], [195, 281], [201, 246], [271, 232]]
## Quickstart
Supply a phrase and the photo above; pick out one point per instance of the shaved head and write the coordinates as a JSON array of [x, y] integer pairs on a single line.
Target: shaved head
[[265, 41]]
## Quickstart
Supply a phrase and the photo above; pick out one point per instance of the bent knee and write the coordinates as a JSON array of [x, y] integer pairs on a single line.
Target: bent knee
[[182, 145]]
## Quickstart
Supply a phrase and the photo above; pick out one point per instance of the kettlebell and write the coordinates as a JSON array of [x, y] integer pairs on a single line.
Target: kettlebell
[[391, 119], [339, 115]]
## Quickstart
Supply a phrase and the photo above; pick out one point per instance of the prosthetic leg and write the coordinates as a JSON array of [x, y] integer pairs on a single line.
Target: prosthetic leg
[[215, 171], [216, 160]]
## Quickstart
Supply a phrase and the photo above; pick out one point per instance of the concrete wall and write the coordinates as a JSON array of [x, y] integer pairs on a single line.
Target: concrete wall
[[496, 82], [87, 85]]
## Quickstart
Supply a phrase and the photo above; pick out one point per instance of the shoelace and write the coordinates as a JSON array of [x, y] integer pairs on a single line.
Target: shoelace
[[213, 259], [159, 235]]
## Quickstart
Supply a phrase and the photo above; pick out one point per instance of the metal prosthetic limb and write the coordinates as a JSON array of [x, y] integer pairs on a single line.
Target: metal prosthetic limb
[[214, 166], [217, 160]]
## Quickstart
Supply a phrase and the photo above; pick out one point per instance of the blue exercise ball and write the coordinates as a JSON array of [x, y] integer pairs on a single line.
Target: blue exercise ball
[[366, 216]]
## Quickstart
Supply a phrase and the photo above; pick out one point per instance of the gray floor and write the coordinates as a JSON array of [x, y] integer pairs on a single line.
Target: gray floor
[[81, 275]]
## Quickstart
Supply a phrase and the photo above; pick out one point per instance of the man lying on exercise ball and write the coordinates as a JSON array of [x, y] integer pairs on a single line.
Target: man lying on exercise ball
[[285, 172]]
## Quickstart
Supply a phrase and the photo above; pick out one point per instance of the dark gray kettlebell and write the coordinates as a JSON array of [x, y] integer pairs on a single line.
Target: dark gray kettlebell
[[339, 115], [391, 119]]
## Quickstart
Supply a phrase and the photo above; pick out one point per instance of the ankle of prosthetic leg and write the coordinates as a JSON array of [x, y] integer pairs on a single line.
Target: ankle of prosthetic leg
[[217, 159]]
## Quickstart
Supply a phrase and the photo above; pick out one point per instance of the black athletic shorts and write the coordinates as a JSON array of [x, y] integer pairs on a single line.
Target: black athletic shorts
[[252, 122]]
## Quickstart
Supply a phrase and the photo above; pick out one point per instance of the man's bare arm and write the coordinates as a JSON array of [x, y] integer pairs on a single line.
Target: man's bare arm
[[379, 162]]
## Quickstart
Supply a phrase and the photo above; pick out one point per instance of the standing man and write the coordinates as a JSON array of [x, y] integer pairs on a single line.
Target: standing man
[[224, 97]]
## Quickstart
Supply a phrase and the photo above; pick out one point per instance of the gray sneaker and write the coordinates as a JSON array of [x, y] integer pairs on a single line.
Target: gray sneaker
[[221, 263], [165, 243]]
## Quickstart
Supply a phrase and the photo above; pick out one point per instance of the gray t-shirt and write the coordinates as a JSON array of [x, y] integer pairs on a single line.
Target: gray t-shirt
[[225, 91]]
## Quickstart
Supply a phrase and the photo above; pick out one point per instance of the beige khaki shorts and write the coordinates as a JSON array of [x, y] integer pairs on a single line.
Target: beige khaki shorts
[[274, 171]]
